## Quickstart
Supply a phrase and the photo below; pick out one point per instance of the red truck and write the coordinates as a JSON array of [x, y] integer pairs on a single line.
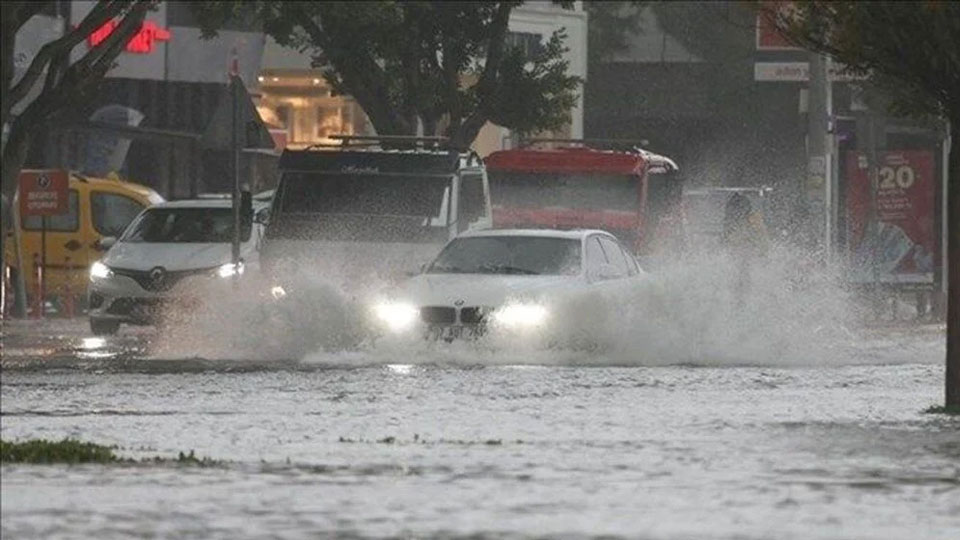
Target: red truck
[[623, 189]]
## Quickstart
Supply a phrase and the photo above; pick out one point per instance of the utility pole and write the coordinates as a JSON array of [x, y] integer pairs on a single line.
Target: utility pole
[[235, 88], [818, 188]]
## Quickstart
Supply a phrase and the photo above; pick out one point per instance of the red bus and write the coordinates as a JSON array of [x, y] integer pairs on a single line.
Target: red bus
[[630, 192]]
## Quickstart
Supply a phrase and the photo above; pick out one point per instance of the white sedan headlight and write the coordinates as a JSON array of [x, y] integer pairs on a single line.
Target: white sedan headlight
[[98, 270], [397, 316], [520, 315], [230, 270]]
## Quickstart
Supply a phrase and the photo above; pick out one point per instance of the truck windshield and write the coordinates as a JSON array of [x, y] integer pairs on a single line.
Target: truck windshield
[[579, 191], [187, 225], [522, 255], [362, 207]]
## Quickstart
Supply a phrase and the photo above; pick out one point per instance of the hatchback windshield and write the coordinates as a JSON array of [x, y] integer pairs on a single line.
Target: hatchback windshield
[[193, 225], [528, 255]]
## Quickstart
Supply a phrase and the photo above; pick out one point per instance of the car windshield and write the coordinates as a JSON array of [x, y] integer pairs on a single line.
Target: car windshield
[[185, 225], [362, 207], [523, 255], [576, 191]]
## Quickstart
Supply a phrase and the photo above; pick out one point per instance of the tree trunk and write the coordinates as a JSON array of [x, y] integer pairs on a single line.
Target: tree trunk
[[15, 153], [953, 268]]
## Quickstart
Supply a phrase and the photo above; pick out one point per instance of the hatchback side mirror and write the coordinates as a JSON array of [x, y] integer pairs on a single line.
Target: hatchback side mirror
[[105, 243]]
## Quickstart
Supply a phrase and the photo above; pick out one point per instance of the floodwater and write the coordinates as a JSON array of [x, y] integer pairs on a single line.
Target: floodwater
[[413, 450], [778, 419]]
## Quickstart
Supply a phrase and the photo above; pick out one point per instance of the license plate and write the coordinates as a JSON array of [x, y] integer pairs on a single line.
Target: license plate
[[450, 333]]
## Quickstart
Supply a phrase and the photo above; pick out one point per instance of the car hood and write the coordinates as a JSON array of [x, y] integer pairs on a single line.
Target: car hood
[[172, 257], [478, 289]]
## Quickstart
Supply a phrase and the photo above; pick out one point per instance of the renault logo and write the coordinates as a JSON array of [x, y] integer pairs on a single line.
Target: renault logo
[[157, 274]]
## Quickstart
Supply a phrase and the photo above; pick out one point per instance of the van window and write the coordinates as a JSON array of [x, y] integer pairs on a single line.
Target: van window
[[68, 222], [472, 201], [112, 212]]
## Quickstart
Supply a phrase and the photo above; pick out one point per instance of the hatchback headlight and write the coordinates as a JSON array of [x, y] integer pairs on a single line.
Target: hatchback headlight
[[229, 270], [396, 315], [520, 315], [98, 270]]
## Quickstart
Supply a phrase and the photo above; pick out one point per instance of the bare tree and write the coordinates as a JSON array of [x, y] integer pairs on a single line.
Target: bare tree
[[53, 83]]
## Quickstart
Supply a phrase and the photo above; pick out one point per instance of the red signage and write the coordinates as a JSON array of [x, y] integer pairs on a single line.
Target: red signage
[[768, 37], [902, 247], [143, 42], [43, 193]]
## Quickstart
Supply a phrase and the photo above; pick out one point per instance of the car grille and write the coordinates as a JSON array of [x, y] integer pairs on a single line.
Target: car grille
[[472, 315], [169, 280], [448, 315], [438, 315]]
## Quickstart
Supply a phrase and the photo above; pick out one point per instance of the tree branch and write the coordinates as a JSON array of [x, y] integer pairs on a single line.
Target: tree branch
[[98, 16]]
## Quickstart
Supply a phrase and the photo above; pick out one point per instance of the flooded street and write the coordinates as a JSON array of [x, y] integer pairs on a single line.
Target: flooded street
[[426, 449]]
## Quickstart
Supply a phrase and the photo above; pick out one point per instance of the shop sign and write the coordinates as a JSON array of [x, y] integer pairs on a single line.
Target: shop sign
[[143, 42], [901, 243]]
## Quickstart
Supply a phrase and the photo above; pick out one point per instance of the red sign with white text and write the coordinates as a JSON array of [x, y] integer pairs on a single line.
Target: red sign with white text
[[143, 42], [43, 192], [903, 245]]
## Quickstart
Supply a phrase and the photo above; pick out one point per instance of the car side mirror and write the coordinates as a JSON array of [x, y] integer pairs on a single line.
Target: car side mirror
[[606, 271], [106, 243]]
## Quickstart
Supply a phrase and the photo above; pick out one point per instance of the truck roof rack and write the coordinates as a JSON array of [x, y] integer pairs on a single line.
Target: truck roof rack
[[595, 143], [429, 143]]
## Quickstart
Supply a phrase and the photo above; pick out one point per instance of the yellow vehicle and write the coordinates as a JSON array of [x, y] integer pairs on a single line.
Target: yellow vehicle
[[98, 208]]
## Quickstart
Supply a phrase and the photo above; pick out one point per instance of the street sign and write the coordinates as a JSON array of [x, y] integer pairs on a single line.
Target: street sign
[[43, 192], [798, 72], [253, 132]]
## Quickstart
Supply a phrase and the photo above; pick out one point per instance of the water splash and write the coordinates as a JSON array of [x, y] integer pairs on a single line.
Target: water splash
[[706, 310]]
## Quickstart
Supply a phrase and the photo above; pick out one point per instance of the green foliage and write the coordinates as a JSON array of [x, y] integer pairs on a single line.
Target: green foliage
[[952, 410], [442, 63], [72, 451], [911, 49], [65, 451], [610, 23]]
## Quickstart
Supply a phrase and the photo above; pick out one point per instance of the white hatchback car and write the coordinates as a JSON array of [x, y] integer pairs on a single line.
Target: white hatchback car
[[167, 255], [513, 280]]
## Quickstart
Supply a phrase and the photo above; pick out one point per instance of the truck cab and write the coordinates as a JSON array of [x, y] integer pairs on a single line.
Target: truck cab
[[371, 208]]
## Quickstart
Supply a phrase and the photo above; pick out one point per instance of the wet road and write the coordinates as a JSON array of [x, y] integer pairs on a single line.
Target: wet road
[[416, 446]]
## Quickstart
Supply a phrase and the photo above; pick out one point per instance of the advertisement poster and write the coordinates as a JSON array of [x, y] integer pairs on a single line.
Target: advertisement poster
[[901, 244]]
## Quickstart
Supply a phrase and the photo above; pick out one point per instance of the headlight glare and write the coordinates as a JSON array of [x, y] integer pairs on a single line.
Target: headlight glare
[[520, 315], [230, 270], [397, 316], [98, 270]]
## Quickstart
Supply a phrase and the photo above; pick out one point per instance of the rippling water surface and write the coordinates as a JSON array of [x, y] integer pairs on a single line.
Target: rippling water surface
[[499, 451]]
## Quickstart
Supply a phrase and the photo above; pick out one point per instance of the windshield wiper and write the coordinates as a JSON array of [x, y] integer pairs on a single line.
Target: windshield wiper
[[446, 270], [506, 269]]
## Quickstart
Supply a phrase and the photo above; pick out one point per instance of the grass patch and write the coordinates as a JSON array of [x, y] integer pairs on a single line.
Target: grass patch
[[952, 410], [65, 451], [72, 451]]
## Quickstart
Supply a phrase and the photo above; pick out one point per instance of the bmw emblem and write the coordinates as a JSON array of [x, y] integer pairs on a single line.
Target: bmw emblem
[[157, 274]]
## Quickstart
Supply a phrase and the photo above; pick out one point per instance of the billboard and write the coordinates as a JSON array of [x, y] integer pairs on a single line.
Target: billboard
[[898, 241]]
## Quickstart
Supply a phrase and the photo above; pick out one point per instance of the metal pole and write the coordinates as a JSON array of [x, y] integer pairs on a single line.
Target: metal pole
[[20, 283], [235, 90], [43, 266], [873, 229]]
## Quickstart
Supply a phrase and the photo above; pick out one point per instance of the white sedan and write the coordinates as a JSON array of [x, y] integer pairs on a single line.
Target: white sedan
[[509, 282]]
